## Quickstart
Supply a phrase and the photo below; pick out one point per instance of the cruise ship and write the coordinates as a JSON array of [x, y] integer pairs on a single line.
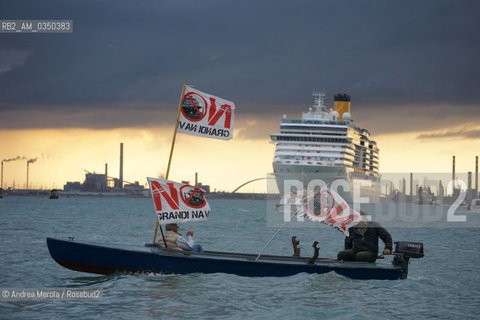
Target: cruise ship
[[325, 144]]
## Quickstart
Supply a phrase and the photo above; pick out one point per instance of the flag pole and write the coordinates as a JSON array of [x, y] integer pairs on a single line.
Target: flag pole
[[170, 159]]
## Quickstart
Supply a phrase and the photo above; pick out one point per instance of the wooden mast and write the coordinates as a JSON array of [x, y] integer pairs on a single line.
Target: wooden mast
[[170, 160]]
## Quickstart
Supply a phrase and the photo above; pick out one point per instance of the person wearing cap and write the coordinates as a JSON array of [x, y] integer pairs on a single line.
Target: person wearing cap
[[176, 241], [362, 243]]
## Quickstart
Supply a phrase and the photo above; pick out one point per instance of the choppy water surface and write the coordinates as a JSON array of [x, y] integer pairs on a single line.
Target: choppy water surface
[[444, 284]]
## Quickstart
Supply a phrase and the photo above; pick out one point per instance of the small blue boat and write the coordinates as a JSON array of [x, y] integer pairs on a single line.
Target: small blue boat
[[112, 258]]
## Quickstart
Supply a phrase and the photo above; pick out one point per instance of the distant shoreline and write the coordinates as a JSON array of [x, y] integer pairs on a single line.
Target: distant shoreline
[[209, 196], [67, 194]]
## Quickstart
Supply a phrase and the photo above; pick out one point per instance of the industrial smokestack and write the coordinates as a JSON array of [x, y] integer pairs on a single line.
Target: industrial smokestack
[[28, 164], [106, 174], [7, 160], [476, 176], [411, 184], [441, 191], [453, 175], [121, 166], [469, 187]]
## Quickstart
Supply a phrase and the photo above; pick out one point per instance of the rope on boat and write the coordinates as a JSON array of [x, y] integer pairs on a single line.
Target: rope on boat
[[276, 233], [256, 259]]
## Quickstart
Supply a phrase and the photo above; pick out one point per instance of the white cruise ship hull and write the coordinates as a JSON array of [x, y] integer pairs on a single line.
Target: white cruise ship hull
[[348, 184]]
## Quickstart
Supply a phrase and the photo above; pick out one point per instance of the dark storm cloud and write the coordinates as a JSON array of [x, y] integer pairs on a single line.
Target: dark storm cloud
[[99, 117], [125, 61], [415, 118]]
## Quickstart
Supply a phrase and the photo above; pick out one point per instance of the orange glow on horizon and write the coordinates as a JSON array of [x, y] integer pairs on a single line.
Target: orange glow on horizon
[[62, 154]]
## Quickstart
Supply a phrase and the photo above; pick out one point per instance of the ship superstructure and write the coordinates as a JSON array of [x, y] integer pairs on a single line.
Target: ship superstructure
[[326, 144]]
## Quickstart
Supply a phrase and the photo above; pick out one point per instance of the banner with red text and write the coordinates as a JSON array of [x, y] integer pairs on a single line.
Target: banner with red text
[[205, 115], [178, 202]]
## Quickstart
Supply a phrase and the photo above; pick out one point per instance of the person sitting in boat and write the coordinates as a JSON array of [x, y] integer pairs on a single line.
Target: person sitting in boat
[[176, 241], [362, 244]]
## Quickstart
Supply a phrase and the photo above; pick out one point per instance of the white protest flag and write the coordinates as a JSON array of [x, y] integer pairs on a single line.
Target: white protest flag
[[176, 202], [205, 115], [330, 208]]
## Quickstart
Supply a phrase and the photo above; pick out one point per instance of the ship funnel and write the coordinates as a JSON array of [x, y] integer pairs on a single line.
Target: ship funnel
[[341, 104]]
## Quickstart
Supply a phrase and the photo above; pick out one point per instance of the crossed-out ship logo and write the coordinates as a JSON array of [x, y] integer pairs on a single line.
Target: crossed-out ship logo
[[194, 106], [325, 206], [206, 115], [320, 204], [193, 196], [178, 202]]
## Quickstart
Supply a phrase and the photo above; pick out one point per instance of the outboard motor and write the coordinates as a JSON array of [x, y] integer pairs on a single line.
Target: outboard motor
[[404, 250]]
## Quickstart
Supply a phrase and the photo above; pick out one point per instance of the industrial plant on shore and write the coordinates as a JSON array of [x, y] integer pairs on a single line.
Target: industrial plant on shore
[[103, 184]]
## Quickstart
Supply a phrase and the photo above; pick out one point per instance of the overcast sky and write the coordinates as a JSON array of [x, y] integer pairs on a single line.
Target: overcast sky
[[125, 62]]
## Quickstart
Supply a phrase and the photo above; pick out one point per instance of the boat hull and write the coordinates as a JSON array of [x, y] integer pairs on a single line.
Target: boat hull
[[109, 259]]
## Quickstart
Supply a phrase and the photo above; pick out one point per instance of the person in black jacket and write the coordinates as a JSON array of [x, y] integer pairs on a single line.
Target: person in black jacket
[[362, 243]]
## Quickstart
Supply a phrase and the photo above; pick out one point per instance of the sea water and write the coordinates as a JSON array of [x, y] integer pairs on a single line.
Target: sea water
[[444, 284]]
